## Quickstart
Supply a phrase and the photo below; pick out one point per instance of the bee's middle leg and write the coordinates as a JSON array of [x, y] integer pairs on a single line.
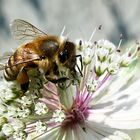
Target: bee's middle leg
[[58, 80]]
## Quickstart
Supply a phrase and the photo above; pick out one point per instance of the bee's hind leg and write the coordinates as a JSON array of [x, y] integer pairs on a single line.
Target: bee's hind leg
[[23, 80]]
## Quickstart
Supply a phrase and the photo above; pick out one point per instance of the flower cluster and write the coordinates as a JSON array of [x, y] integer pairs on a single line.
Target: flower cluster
[[101, 106]]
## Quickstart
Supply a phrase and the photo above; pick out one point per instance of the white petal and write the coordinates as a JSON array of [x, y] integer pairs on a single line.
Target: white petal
[[50, 135], [121, 79], [120, 110], [115, 83], [78, 133], [70, 135], [106, 133]]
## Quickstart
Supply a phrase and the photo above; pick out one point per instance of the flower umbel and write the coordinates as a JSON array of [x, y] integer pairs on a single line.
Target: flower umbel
[[101, 106]]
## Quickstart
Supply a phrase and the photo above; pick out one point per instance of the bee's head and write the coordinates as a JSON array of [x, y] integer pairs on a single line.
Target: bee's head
[[67, 55]]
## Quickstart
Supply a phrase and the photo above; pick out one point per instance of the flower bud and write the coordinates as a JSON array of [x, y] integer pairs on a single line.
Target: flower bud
[[102, 54], [113, 68], [125, 60], [100, 68], [106, 44]]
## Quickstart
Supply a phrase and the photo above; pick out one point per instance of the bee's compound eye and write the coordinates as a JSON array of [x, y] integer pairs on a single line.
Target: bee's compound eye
[[63, 56]]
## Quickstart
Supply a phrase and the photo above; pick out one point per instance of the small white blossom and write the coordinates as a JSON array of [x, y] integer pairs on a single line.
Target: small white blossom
[[41, 108], [106, 44], [125, 60], [113, 68], [58, 116], [7, 129], [87, 56], [114, 58], [3, 109], [19, 135], [100, 67], [12, 111], [6, 94], [40, 127], [102, 54], [6, 90], [24, 112], [25, 101], [92, 85], [18, 125]]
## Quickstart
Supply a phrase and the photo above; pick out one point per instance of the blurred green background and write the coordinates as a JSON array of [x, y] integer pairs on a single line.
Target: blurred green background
[[79, 16]]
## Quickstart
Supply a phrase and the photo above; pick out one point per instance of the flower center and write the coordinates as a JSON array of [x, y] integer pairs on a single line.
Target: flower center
[[76, 115]]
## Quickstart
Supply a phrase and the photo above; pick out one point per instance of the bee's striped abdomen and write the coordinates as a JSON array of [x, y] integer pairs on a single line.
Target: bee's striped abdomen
[[11, 71]]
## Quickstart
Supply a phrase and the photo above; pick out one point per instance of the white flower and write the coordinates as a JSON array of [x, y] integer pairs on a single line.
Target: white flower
[[106, 45], [18, 125], [103, 105], [87, 55], [24, 112], [100, 67], [7, 129], [40, 127], [102, 54], [25, 101], [58, 116], [95, 113], [12, 111], [113, 68], [6, 91], [92, 85], [19, 135], [114, 58], [125, 60], [41, 108], [3, 109]]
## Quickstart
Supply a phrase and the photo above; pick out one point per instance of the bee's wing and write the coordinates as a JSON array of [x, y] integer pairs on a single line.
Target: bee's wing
[[4, 59], [24, 32], [2, 66], [6, 56]]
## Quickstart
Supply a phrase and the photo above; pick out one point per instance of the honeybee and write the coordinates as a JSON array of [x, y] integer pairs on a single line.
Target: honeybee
[[39, 50]]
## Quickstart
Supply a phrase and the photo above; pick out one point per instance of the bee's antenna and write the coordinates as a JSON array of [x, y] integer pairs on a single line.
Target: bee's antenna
[[63, 30], [94, 31], [68, 34]]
